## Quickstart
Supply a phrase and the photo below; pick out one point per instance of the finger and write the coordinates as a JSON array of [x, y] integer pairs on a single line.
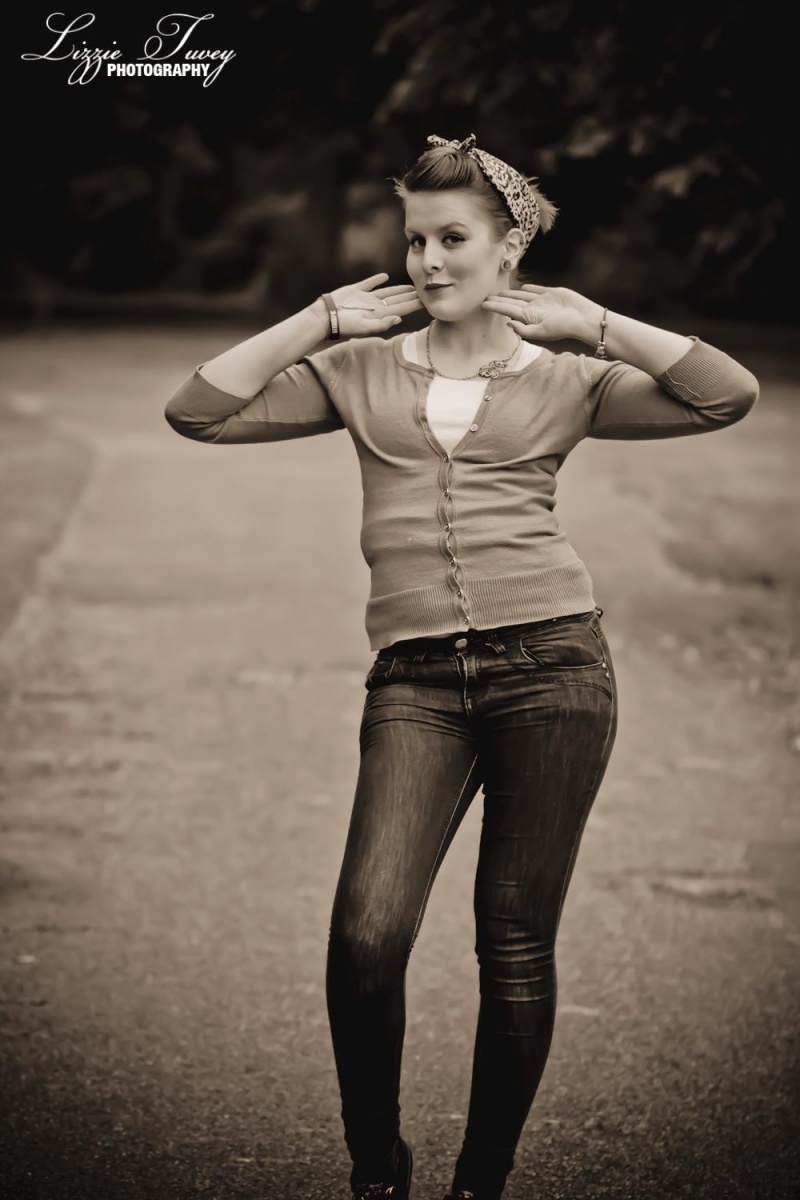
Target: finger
[[386, 322], [368, 300], [506, 308], [514, 294], [400, 301], [406, 306], [400, 298], [402, 306], [371, 281], [539, 288], [524, 331], [397, 289]]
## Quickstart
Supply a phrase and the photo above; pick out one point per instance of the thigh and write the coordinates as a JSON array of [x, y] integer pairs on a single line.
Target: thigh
[[544, 750], [417, 775]]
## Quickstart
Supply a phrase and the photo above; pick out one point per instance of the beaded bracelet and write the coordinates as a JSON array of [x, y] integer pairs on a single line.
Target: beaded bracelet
[[600, 351], [333, 314]]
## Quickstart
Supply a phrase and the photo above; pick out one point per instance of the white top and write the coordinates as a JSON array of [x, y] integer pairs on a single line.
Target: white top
[[452, 403]]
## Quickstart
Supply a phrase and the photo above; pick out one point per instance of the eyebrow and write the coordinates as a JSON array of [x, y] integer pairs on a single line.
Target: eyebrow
[[447, 225]]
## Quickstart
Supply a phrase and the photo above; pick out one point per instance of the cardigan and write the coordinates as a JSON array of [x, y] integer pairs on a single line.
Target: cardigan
[[451, 402], [468, 538]]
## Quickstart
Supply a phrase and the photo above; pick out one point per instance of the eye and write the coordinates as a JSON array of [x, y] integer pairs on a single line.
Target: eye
[[415, 242], [453, 237]]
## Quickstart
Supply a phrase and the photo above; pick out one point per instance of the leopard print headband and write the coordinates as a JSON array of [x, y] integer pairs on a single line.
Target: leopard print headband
[[522, 204]]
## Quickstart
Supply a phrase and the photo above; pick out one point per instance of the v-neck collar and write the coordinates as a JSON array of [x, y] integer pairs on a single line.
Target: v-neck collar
[[419, 369]]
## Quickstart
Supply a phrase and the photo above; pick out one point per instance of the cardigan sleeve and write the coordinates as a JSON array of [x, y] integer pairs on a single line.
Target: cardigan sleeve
[[294, 404], [705, 389]]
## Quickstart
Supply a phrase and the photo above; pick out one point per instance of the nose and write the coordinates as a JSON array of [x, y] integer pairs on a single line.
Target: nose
[[431, 258]]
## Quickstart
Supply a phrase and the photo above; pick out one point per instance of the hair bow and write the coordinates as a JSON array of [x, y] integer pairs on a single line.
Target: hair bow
[[513, 187], [466, 145]]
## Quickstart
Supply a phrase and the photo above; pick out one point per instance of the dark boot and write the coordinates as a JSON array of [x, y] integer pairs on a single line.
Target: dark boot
[[397, 1186], [462, 1194]]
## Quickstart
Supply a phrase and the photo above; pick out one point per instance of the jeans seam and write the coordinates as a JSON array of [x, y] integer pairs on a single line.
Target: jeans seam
[[437, 858], [549, 675], [598, 637], [592, 792], [537, 662]]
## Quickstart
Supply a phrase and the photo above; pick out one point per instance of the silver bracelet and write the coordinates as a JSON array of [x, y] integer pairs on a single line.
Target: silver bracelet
[[600, 350]]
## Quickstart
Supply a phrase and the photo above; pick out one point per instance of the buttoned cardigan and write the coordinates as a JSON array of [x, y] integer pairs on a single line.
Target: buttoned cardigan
[[468, 538]]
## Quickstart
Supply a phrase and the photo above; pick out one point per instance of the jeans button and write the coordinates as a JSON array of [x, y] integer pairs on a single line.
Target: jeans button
[[460, 643]]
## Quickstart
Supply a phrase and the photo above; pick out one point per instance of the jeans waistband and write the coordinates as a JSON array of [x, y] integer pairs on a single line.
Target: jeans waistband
[[474, 637]]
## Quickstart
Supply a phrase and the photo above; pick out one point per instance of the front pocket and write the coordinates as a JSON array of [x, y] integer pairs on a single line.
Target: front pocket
[[573, 647], [381, 669]]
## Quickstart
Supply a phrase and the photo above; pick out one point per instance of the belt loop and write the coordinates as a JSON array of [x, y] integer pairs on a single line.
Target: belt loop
[[598, 610]]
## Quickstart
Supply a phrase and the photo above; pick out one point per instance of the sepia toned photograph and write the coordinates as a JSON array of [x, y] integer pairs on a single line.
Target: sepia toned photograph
[[400, 603]]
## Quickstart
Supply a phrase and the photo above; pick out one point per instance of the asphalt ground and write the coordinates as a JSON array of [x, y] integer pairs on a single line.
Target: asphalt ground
[[181, 681]]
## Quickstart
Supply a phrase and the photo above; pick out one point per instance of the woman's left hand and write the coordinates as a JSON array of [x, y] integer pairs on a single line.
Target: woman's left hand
[[540, 313]]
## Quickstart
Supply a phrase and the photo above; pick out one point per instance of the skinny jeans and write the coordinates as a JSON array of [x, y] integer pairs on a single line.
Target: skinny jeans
[[528, 713]]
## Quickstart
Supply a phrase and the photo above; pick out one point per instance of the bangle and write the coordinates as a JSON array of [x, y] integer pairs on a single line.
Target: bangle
[[333, 314], [600, 350]]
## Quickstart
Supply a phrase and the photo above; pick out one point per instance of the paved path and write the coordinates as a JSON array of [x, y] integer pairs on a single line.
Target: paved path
[[181, 681]]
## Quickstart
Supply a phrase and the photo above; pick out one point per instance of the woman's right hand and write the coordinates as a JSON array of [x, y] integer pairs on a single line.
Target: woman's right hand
[[366, 308]]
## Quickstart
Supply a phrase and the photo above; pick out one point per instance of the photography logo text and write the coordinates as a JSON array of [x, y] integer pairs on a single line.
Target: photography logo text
[[169, 51]]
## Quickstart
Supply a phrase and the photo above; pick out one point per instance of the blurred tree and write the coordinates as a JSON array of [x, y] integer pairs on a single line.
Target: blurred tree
[[644, 122], [140, 188], [647, 123]]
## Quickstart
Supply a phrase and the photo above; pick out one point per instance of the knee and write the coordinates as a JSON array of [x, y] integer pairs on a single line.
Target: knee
[[516, 963], [369, 954]]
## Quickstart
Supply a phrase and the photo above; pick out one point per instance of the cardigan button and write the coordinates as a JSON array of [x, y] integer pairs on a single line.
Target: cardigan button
[[473, 427]]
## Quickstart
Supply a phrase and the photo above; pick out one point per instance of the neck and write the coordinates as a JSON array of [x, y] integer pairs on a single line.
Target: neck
[[474, 359], [478, 335]]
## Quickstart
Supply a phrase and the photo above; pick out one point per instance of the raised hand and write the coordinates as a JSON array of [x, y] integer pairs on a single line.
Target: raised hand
[[539, 313], [367, 308]]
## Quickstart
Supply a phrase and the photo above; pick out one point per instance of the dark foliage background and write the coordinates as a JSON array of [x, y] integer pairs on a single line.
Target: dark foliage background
[[662, 131]]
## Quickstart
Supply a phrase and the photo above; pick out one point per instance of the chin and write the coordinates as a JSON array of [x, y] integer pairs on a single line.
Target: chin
[[448, 308]]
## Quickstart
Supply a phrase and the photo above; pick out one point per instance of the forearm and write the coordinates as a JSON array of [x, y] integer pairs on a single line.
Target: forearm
[[644, 346], [249, 366]]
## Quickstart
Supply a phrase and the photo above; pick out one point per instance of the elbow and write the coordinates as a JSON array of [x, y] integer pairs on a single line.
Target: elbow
[[743, 402], [187, 411], [180, 425], [174, 422], [734, 404]]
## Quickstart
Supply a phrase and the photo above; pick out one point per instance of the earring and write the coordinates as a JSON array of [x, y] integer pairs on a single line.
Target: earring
[[507, 264]]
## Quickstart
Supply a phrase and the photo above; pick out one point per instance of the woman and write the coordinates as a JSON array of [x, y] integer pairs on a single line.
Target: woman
[[492, 669]]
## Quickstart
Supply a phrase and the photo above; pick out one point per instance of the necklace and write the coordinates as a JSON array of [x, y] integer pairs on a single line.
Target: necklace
[[489, 370]]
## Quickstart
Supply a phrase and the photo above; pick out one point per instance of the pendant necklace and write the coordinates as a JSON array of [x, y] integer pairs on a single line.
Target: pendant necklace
[[490, 370]]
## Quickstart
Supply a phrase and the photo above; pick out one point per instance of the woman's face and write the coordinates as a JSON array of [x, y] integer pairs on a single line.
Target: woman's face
[[454, 254]]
